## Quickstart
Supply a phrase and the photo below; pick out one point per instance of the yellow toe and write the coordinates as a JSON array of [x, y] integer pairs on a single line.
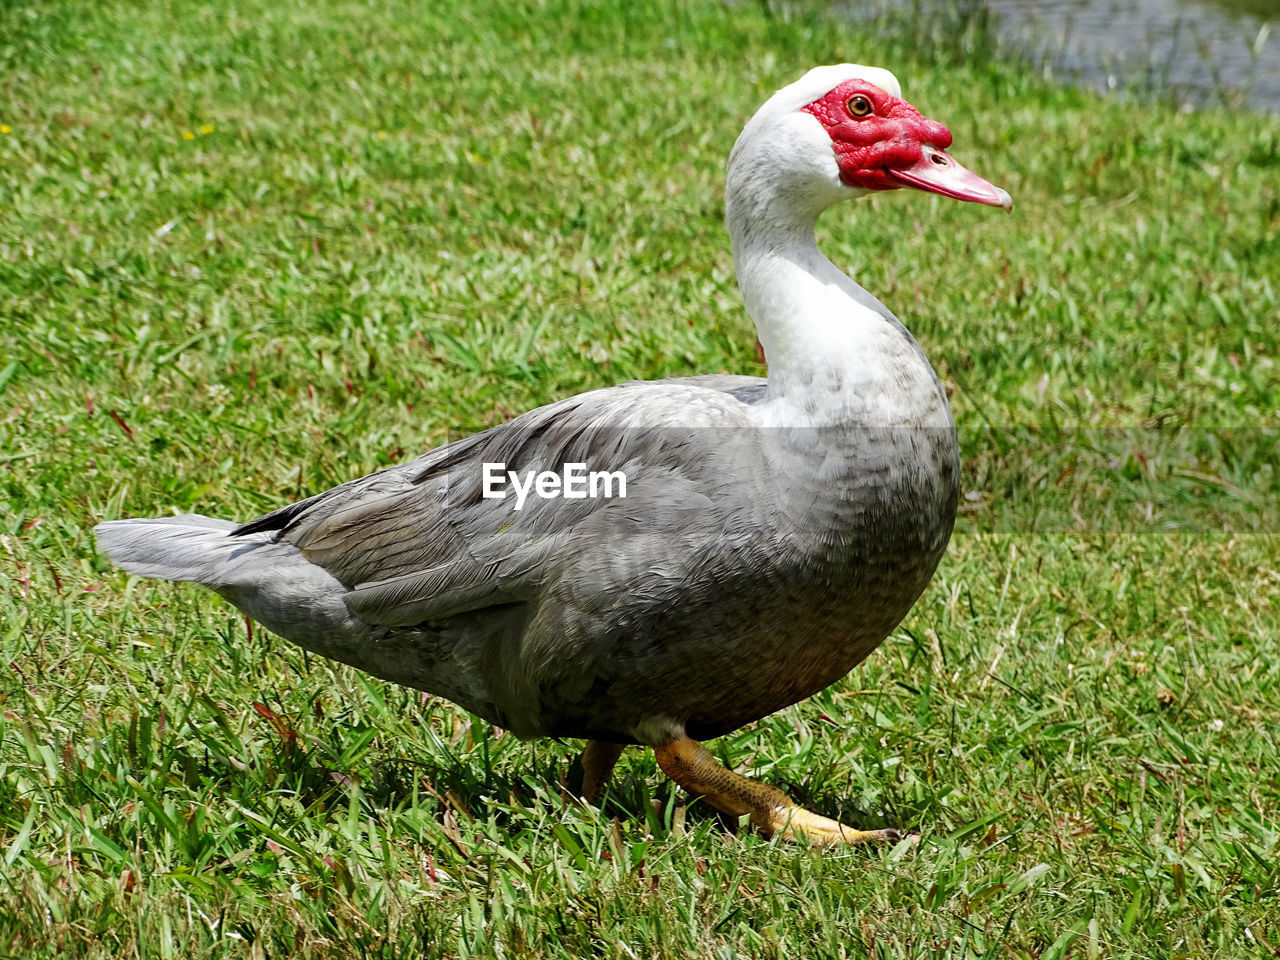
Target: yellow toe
[[691, 765]]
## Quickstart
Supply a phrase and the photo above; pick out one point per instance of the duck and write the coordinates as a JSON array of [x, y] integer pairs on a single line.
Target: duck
[[656, 563]]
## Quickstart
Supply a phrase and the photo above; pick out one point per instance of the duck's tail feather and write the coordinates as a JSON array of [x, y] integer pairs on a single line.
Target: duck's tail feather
[[189, 547]]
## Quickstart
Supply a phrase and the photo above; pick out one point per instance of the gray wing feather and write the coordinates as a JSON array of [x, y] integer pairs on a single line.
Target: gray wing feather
[[418, 543]]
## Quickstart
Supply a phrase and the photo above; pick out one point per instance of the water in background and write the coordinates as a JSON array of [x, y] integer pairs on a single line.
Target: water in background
[[1203, 53]]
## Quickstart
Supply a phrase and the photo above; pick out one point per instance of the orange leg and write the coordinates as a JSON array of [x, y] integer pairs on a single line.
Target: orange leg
[[691, 765], [598, 758]]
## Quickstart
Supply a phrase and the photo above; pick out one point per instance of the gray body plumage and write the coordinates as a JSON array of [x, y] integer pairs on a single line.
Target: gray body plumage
[[772, 533], [747, 568]]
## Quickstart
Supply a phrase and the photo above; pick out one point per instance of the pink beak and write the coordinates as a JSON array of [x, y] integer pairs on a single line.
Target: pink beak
[[936, 172]]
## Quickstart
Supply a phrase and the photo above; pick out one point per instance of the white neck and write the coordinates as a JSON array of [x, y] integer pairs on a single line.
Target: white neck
[[833, 350]]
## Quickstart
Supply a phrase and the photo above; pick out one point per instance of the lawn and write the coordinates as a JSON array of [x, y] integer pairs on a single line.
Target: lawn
[[252, 250]]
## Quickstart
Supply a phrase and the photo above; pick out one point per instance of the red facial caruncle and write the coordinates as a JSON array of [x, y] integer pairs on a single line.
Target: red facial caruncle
[[881, 142]]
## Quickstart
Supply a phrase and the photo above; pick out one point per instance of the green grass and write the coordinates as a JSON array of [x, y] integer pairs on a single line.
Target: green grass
[[249, 252]]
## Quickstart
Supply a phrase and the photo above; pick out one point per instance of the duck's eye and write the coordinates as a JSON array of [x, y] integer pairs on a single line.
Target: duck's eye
[[859, 106]]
